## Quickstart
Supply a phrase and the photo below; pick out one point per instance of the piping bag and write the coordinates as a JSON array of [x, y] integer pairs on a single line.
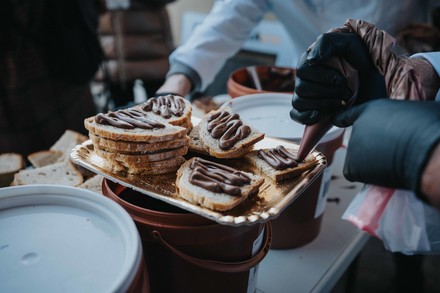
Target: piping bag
[[315, 132]]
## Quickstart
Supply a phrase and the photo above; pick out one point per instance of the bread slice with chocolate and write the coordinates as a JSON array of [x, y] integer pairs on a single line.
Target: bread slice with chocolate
[[279, 163], [140, 127], [224, 135], [172, 109], [215, 186]]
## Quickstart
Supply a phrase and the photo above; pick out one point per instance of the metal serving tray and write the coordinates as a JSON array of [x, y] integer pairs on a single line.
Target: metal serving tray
[[271, 200]]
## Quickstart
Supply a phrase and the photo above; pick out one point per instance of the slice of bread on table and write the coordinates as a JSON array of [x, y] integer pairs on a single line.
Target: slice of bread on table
[[62, 173], [212, 145], [10, 163], [94, 184], [209, 199], [282, 174], [44, 157], [68, 141]]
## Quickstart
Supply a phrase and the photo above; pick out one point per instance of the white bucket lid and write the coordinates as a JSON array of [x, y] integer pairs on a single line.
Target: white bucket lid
[[65, 239], [269, 113]]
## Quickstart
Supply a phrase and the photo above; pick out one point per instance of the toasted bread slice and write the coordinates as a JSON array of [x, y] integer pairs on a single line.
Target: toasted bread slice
[[63, 173], [278, 175], [151, 168], [44, 157], [172, 109], [212, 200], [68, 141], [10, 163], [195, 143], [169, 132], [238, 150], [94, 183], [131, 147], [140, 160]]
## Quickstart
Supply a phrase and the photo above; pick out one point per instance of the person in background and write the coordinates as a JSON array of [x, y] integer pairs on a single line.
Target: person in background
[[49, 52], [395, 119], [137, 40], [195, 63]]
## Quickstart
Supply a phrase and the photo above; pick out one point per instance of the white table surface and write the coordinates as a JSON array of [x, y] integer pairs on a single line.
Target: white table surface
[[317, 266]]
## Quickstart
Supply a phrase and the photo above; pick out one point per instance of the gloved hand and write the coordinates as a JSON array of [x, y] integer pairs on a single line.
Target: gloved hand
[[321, 88], [391, 141]]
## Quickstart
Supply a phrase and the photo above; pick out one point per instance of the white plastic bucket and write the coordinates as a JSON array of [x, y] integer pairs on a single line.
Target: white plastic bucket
[[65, 239]]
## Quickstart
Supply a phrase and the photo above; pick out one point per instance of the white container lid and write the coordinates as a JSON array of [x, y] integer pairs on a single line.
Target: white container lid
[[269, 113], [65, 239]]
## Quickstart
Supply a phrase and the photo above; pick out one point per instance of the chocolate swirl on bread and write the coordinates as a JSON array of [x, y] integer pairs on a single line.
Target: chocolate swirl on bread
[[217, 178]]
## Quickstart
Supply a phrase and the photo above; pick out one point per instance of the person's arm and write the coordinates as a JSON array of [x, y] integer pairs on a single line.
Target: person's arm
[[219, 37], [323, 90], [430, 178], [432, 69], [394, 144]]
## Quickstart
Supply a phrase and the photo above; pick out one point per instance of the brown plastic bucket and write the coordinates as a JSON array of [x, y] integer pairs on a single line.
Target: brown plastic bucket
[[297, 225], [185, 252], [300, 223]]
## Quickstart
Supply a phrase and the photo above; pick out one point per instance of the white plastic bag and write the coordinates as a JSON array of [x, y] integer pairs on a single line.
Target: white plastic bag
[[403, 222]]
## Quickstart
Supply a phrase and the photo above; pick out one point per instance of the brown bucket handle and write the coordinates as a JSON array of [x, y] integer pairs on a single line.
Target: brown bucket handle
[[227, 267]]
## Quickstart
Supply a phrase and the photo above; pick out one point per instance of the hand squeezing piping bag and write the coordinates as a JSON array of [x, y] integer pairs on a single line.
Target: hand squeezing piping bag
[[314, 133]]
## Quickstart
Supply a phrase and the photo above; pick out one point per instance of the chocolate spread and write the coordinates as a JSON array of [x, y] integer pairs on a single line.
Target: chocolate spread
[[166, 106], [128, 119], [228, 128], [279, 158], [217, 178]]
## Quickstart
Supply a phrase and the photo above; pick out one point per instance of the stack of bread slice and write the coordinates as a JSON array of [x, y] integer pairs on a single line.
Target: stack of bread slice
[[139, 150]]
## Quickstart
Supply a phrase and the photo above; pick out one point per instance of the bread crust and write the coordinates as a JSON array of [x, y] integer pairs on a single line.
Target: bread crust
[[153, 168], [139, 160], [136, 148]]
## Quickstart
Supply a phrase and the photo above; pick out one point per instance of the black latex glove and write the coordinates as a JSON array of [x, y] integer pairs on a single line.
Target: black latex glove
[[321, 89], [391, 141]]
